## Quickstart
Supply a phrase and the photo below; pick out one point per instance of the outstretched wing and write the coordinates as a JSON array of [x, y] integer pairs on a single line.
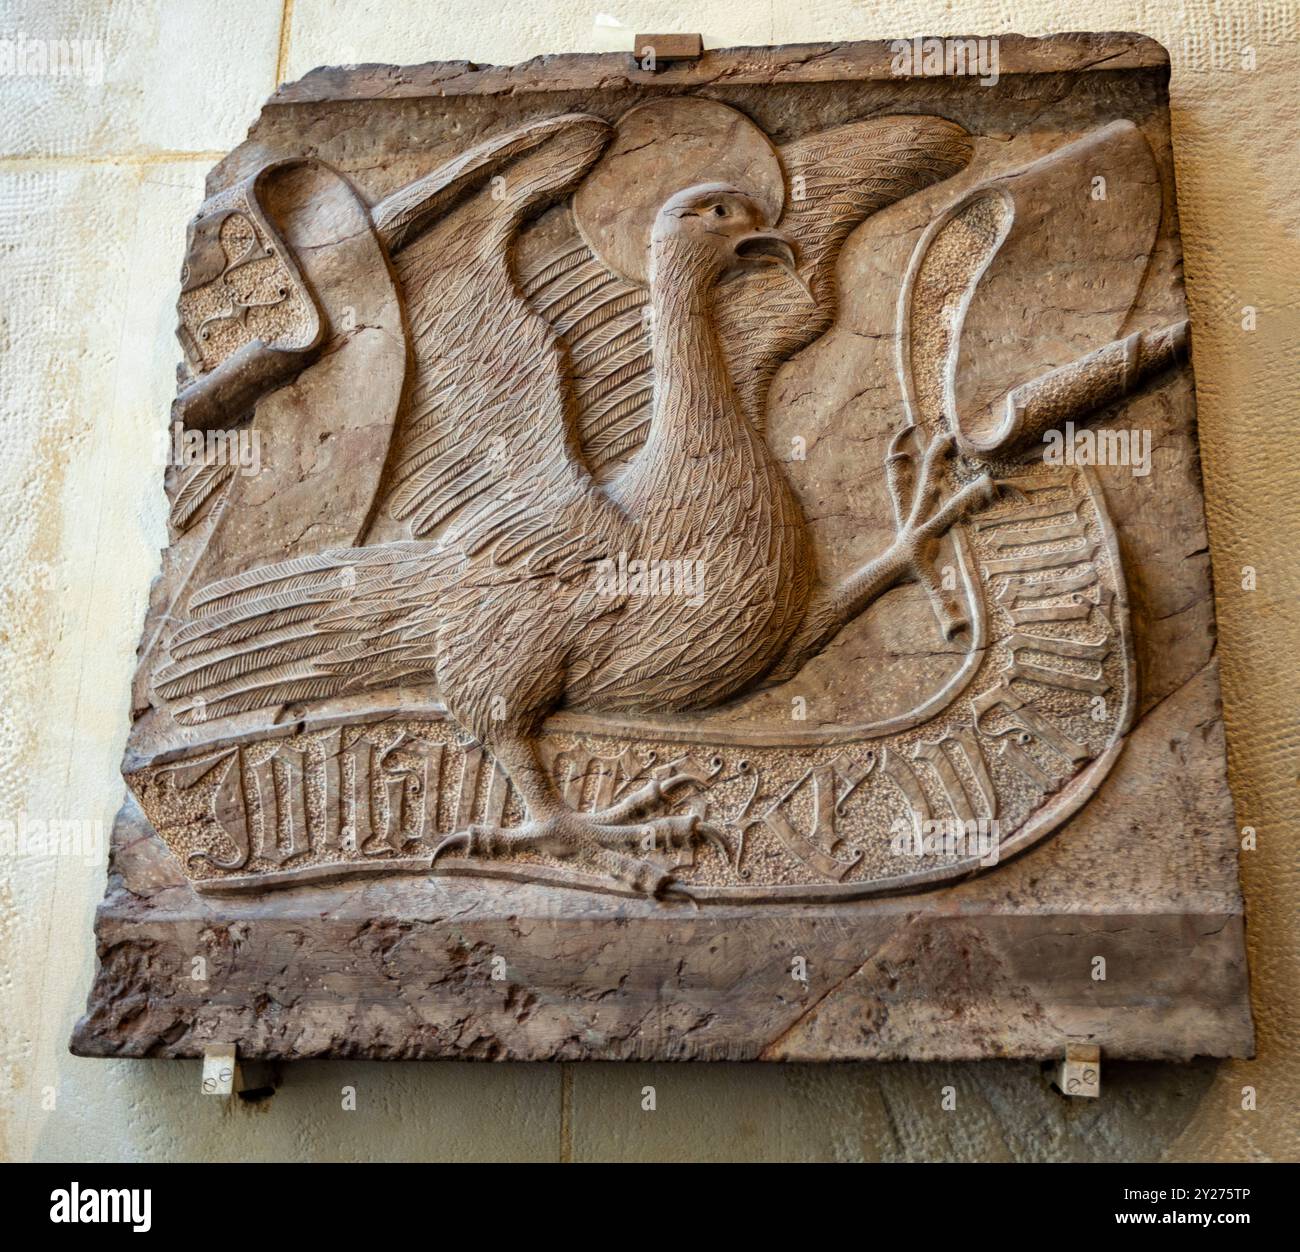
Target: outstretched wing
[[835, 179], [485, 457], [483, 466]]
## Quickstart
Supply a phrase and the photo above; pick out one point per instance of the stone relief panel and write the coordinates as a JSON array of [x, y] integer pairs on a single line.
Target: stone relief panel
[[659, 494]]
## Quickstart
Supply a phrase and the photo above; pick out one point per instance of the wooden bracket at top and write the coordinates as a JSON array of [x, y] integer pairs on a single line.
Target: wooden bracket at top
[[652, 51]]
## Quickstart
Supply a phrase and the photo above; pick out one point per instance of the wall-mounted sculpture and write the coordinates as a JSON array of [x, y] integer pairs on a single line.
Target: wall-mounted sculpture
[[671, 510]]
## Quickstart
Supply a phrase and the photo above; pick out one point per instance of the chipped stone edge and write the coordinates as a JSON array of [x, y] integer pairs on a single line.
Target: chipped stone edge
[[1072, 52]]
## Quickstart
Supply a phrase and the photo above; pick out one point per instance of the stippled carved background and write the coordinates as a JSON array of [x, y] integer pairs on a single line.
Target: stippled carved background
[[94, 185]]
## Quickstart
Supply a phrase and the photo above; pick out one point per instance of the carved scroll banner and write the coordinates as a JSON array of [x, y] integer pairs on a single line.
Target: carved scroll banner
[[714, 555]]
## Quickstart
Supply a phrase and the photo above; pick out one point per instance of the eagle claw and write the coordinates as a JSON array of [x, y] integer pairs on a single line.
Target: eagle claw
[[607, 841], [923, 518]]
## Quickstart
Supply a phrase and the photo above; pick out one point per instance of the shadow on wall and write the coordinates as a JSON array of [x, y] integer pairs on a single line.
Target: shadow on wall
[[357, 1111]]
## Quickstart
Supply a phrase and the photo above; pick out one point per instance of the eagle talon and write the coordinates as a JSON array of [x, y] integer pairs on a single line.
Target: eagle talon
[[714, 835], [462, 839], [922, 518], [620, 852], [642, 800]]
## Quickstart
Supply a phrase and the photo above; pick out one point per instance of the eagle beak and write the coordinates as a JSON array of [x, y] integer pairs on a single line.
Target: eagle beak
[[769, 247]]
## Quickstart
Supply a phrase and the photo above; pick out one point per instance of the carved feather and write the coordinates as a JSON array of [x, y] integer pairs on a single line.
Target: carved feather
[[198, 485], [310, 627], [486, 456]]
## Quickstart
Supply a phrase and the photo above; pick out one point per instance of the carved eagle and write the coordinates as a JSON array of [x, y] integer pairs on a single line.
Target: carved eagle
[[500, 510]]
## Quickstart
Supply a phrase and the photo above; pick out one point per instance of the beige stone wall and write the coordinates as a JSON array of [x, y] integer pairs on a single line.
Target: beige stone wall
[[97, 179]]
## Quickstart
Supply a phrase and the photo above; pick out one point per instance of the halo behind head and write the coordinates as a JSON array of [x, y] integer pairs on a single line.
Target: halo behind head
[[659, 149]]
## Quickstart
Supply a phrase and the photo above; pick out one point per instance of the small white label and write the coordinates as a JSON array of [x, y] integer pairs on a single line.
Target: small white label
[[219, 1070]]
